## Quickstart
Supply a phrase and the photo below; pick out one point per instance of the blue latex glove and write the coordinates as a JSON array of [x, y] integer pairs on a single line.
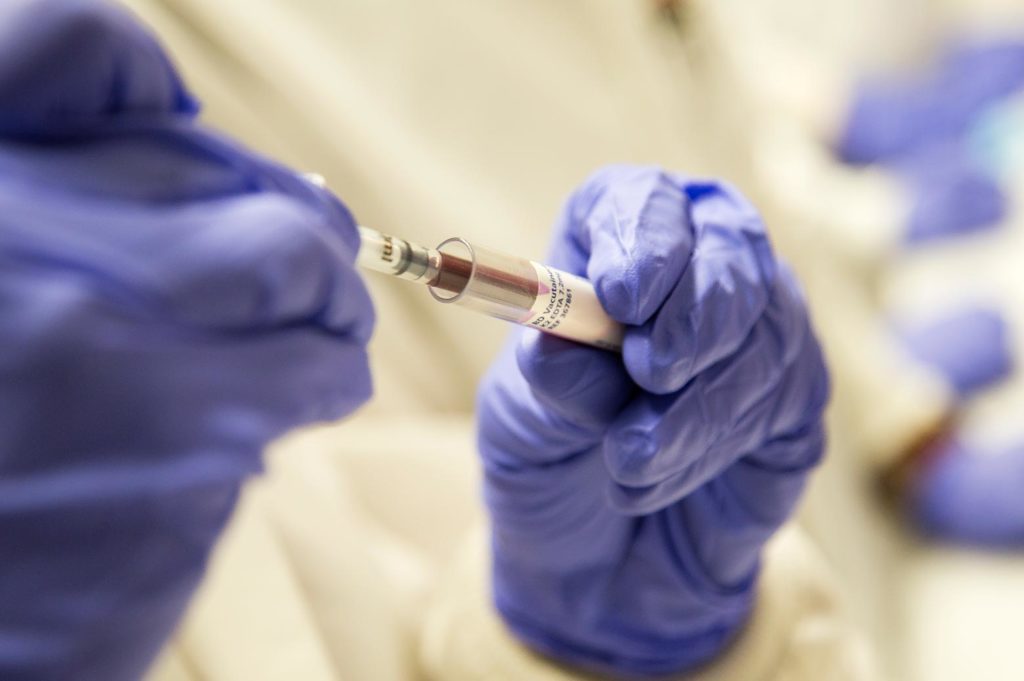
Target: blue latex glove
[[970, 347], [891, 118], [631, 496], [950, 194], [169, 302], [971, 497]]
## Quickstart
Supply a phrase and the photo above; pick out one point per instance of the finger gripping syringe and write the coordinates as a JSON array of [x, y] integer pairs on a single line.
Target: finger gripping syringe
[[503, 286]]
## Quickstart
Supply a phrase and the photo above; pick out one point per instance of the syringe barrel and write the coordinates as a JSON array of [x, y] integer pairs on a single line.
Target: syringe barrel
[[525, 292]]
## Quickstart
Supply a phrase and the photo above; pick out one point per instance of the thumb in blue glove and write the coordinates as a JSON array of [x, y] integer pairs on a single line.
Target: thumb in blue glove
[[631, 496]]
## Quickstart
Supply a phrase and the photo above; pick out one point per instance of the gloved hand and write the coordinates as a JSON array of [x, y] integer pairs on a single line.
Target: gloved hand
[[894, 117], [169, 302], [630, 496], [971, 497], [950, 194], [969, 347]]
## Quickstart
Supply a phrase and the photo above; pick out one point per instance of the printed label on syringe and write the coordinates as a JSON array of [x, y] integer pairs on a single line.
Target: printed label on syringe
[[567, 306]]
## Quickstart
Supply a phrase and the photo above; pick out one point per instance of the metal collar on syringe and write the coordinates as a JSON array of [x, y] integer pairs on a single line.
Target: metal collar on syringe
[[494, 283], [453, 273], [397, 257]]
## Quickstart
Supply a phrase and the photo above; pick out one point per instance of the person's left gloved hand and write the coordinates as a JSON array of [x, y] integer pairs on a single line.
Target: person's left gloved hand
[[169, 303], [630, 496]]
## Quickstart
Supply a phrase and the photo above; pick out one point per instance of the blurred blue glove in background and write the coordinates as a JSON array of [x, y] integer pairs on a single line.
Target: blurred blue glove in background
[[919, 126], [631, 496], [893, 117], [950, 194], [169, 302], [972, 497], [970, 347]]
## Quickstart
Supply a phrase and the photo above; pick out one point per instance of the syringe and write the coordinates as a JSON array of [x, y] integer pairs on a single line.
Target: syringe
[[503, 286]]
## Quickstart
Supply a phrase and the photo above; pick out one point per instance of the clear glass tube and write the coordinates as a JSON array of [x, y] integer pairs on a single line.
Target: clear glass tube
[[523, 291], [503, 286]]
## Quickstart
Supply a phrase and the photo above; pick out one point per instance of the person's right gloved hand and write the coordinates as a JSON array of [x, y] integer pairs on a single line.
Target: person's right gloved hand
[[630, 496], [169, 302]]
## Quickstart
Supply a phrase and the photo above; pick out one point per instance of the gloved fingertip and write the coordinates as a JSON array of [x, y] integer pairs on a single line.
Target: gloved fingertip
[[629, 453], [640, 240], [619, 299], [575, 379], [550, 364], [632, 286], [654, 371]]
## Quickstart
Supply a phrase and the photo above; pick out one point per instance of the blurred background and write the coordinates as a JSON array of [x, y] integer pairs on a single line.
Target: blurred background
[[883, 141]]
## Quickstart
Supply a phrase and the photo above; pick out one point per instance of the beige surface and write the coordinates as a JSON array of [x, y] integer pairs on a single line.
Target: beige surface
[[965, 614], [314, 579], [324, 574]]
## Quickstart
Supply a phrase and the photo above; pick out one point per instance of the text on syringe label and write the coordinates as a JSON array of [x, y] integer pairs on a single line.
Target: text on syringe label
[[567, 306]]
